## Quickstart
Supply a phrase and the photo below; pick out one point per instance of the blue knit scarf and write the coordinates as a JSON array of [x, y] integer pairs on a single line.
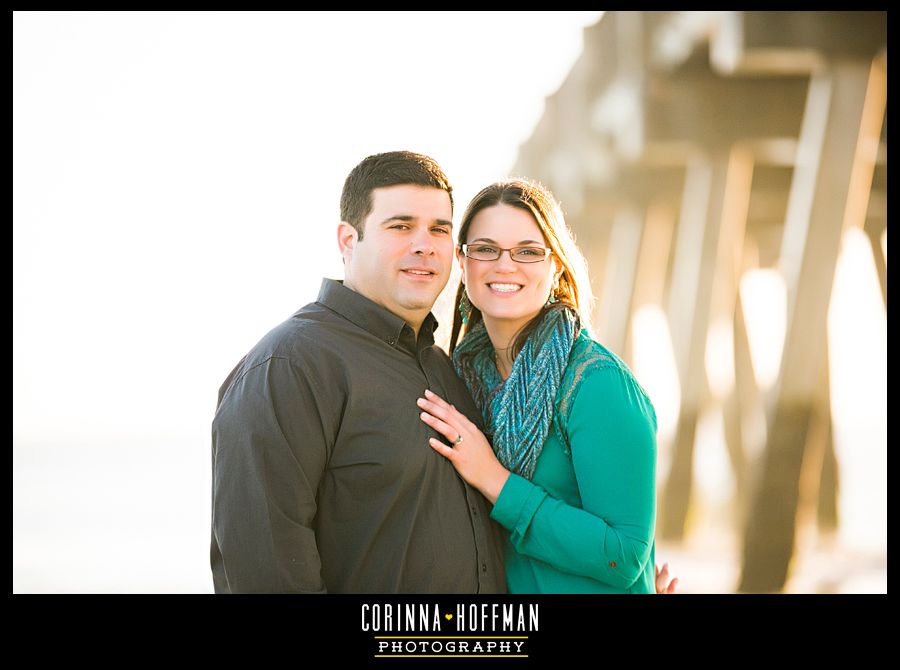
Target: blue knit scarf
[[518, 411]]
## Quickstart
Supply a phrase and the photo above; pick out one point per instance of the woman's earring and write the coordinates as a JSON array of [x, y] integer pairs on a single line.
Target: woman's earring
[[465, 307], [552, 298]]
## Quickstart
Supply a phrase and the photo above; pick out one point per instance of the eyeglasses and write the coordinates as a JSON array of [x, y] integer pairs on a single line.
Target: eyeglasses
[[488, 252]]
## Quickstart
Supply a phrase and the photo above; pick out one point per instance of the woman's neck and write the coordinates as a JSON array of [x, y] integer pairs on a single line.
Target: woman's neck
[[502, 333]]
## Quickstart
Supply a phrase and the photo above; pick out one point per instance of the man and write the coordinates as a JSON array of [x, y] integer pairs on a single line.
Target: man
[[323, 479]]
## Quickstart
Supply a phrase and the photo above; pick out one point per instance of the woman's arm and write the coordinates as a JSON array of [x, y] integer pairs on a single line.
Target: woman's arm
[[612, 434]]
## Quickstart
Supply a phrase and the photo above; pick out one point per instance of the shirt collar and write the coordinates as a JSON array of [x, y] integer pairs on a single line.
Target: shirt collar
[[372, 317]]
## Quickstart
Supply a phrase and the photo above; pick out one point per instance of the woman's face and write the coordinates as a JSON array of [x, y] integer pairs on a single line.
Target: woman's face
[[503, 289]]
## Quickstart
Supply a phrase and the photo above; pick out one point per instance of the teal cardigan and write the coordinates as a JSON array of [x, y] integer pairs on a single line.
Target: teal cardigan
[[585, 523]]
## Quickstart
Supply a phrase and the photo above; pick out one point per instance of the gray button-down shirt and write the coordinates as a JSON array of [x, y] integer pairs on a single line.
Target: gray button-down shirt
[[323, 479]]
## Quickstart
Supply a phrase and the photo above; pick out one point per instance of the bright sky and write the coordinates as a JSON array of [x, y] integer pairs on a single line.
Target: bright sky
[[177, 177]]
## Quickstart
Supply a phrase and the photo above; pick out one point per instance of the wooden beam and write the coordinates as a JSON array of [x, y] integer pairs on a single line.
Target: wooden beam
[[823, 203], [696, 250]]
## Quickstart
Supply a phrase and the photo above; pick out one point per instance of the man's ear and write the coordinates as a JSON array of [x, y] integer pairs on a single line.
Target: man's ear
[[347, 239]]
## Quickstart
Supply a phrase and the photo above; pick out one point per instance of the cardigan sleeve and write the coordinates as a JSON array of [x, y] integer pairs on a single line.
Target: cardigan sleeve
[[612, 433]]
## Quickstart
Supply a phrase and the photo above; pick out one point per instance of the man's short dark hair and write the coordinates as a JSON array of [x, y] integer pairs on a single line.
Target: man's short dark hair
[[393, 168]]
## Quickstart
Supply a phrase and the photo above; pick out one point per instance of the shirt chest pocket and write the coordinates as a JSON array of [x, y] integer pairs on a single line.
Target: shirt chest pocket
[[380, 445]]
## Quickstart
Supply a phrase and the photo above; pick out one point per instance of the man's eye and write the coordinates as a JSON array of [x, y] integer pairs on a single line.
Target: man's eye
[[400, 226], [443, 231]]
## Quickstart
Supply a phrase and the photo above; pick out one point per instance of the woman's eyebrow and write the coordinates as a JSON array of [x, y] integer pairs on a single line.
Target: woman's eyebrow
[[488, 239]]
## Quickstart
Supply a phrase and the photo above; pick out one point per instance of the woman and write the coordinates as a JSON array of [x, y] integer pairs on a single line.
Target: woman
[[572, 470]]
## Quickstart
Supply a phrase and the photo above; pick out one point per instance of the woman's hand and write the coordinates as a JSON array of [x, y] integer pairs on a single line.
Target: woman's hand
[[470, 454]]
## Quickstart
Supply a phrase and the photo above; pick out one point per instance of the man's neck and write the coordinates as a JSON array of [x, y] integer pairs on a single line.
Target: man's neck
[[413, 319]]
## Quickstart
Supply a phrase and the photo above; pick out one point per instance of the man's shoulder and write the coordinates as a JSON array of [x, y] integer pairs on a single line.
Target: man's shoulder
[[302, 339], [302, 342]]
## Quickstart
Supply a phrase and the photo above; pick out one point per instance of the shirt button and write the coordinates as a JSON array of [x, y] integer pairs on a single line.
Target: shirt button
[[391, 342], [474, 511], [612, 564], [484, 567]]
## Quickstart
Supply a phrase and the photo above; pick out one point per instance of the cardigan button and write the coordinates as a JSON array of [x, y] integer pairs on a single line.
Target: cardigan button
[[612, 564]]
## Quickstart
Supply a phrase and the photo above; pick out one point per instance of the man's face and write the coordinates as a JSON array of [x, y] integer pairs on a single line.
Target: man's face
[[403, 261]]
